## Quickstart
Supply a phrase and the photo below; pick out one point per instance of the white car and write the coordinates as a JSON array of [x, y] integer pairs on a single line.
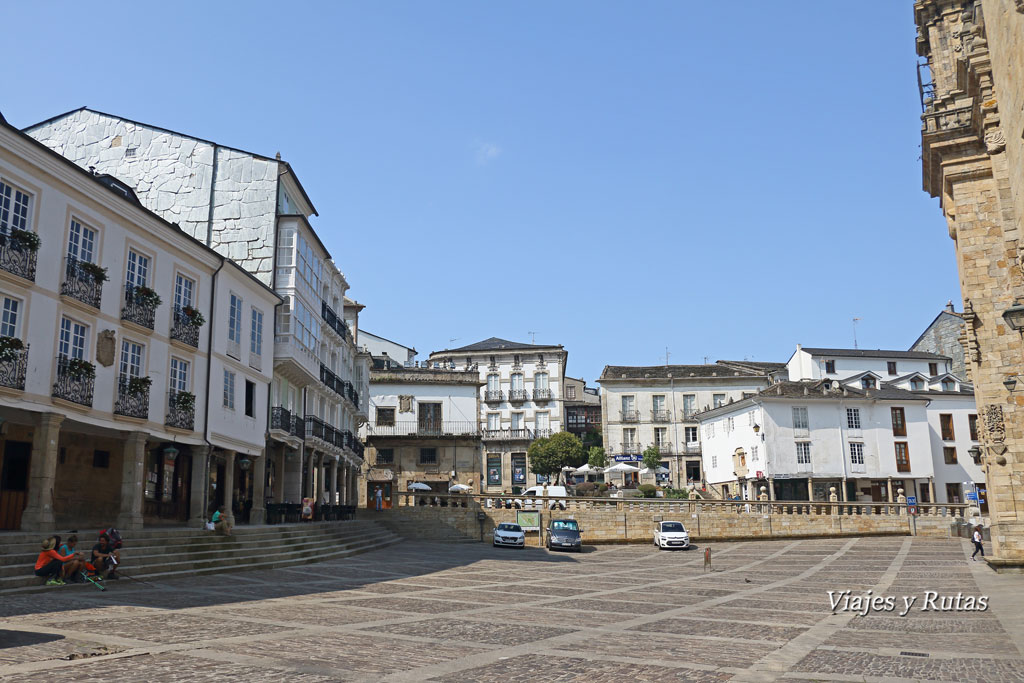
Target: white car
[[507, 533], [554, 491], [671, 535]]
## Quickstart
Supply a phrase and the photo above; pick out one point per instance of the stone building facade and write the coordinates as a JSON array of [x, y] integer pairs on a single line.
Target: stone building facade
[[942, 337], [972, 98]]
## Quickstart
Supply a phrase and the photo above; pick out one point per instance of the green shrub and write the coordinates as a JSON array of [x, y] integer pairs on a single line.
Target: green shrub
[[602, 488], [586, 488], [648, 490]]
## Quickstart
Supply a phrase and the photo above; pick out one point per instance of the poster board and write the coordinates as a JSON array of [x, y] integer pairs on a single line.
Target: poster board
[[529, 520]]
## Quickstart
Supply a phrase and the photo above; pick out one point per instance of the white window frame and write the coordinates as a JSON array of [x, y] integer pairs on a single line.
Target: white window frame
[[10, 316], [256, 332], [857, 454], [542, 419], [540, 380], [853, 419], [15, 207], [229, 389], [803, 453], [184, 291], [133, 358], [801, 420], [137, 270], [180, 375], [73, 339], [82, 240], [234, 325], [494, 421], [691, 430]]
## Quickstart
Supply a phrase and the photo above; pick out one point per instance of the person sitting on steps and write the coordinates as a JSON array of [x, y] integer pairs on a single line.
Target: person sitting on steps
[[51, 564], [72, 568], [221, 523], [106, 558]]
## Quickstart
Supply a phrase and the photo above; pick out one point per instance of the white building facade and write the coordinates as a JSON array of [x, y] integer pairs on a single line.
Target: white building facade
[[115, 400], [521, 400]]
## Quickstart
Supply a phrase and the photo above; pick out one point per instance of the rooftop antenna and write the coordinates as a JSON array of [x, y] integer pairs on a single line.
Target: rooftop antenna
[[533, 337], [667, 355], [705, 360], [453, 340], [855, 321]]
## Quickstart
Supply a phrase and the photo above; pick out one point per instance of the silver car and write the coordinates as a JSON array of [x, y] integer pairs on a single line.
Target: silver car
[[507, 533]]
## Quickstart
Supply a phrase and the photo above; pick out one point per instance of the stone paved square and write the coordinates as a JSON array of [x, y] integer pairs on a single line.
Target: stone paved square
[[430, 611]]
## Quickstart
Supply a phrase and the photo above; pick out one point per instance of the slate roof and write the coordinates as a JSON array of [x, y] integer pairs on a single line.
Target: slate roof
[[612, 372], [754, 365], [497, 344], [873, 353], [816, 391]]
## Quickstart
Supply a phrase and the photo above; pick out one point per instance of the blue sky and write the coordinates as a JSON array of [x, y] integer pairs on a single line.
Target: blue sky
[[725, 179]]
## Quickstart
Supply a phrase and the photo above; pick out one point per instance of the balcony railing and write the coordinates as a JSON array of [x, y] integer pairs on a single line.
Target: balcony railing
[[81, 284], [508, 435], [493, 396], [298, 427], [17, 258], [660, 416], [184, 329], [541, 395], [690, 449], [333, 321], [518, 395], [631, 449], [351, 394], [131, 401], [690, 414], [280, 419], [541, 433], [425, 429], [358, 448], [332, 381], [74, 382], [181, 410], [630, 416], [13, 363], [664, 448], [138, 309]]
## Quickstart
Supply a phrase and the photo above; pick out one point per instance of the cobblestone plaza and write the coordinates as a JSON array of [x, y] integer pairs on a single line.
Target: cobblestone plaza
[[455, 612]]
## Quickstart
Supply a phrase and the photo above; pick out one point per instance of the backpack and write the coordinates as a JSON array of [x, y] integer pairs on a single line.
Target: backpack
[[114, 536]]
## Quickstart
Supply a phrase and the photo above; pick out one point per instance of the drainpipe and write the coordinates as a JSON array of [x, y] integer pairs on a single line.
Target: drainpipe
[[209, 368], [213, 184]]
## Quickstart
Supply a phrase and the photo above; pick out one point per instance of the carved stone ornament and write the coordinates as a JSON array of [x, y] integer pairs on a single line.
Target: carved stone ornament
[[992, 415], [106, 345], [994, 141], [405, 404], [1020, 6]]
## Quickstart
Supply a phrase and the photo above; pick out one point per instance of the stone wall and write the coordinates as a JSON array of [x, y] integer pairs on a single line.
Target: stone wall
[[943, 337]]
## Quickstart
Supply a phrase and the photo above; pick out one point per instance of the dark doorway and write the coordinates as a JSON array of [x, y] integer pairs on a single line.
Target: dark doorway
[[14, 483]]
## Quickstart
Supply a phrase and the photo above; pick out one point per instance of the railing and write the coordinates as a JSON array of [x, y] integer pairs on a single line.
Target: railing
[[541, 395], [664, 448], [660, 416], [358, 448], [443, 428], [493, 396], [280, 419], [73, 385], [332, 381], [542, 433], [507, 435], [298, 427], [630, 416], [690, 414], [183, 329], [631, 449], [13, 363], [333, 321], [16, 258], [690, 449], [131, 403], [80, 284], [518, 395], [138, 309], [181, 414], [351, 394]]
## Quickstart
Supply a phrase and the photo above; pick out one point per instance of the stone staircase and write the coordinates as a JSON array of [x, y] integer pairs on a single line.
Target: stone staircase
[[158, 553], [411, 526]]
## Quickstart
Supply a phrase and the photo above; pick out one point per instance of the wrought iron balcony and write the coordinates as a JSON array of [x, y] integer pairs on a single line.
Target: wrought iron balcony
[[298, 427], [428, 429], [660, 416], [334, 321], [332, 381], [184, 328], [351, 394], [82, 284], [690, 414], [541, 395], [132, 401], [358, 448], [280, 419], [493, 396], [76, 380], [315, 427], [518, 395], [139, 306], [630, 416], [13, 363], [17, 257], [181, 410], [631, 449], [664, 448]]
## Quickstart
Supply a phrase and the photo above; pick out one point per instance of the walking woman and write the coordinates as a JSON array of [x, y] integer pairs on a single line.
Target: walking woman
[[978, 548]]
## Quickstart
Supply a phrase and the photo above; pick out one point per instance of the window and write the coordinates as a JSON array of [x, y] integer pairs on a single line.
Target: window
[[14, 208], [72, 339], [81, 242], [718, 400], [540, 380], [661, 437], [948, 385], [517, 381], [899, 422], [234, 325], [131, 359], [628, 403], [385, 417], [493, 421], [933, 369], [753, 454], [800, 423], [729, 425], [949, 455], [714, 461], [953, 493], [256, 333], [493, 382], [493, 469], [385, 456], [711, 430], [853, 418], [890, 366], [830, 367], [250, 398], [803, 452], [570, 392], [972, 423], [902, 457], [429, 416], [629, 436], [229, 390], [867, 383], [543, 421], [658, 402], [137, 274], [691, 434], [519, 468], [856, 453], [916, 384], [184, 291], [428, 456], [946, 426], [101, 459], [689, 404], [9, 319], [179, 375]]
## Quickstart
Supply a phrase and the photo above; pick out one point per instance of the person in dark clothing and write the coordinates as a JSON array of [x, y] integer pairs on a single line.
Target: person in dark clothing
[[105, 557], [976, 538]]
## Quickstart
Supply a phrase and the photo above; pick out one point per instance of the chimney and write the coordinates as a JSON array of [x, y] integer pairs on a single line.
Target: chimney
[[278, 156], [949, 306]]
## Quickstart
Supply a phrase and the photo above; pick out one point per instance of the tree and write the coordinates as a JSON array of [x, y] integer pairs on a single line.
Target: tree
[[652, 460], [597, 457], [550, 454]]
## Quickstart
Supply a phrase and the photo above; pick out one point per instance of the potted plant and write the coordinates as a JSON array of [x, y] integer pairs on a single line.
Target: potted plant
[[26, 239], [195, 318], [183, 400], [80, 368], [138, 385], [146, 296], [9, 347], [97, 272]]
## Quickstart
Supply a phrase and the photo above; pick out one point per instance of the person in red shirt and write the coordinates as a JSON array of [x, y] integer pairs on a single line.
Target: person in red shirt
[[52, 565]]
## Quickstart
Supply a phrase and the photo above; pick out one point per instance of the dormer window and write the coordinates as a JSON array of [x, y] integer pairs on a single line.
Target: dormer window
[[948, 385], [867, 383], [916, 384]]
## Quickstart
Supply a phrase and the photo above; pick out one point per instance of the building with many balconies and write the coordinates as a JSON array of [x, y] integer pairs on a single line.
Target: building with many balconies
[[253, 209], [122, 399]]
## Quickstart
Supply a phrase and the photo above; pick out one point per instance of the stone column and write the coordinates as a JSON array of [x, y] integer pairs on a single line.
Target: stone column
[[334, 482], [199, 486], [353, 486], [321, 470], [133, 469], [810, 488], [931, 490], [889, 488], [845, 495], [771, 488], [38, 514], [258, 513], [228, 485], [280, 477], [307, 488], [345, 497]]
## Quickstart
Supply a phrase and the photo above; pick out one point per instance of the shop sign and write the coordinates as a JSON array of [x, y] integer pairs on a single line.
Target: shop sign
[[380, 475]]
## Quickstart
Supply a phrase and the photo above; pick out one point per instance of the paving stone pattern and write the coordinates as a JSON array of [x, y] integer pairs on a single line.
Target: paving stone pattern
[[423, 611]]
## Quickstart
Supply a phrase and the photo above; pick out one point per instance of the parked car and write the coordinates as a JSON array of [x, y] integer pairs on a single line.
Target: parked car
[[564, 534], [556, 491], [507, 533], [671, 535]]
